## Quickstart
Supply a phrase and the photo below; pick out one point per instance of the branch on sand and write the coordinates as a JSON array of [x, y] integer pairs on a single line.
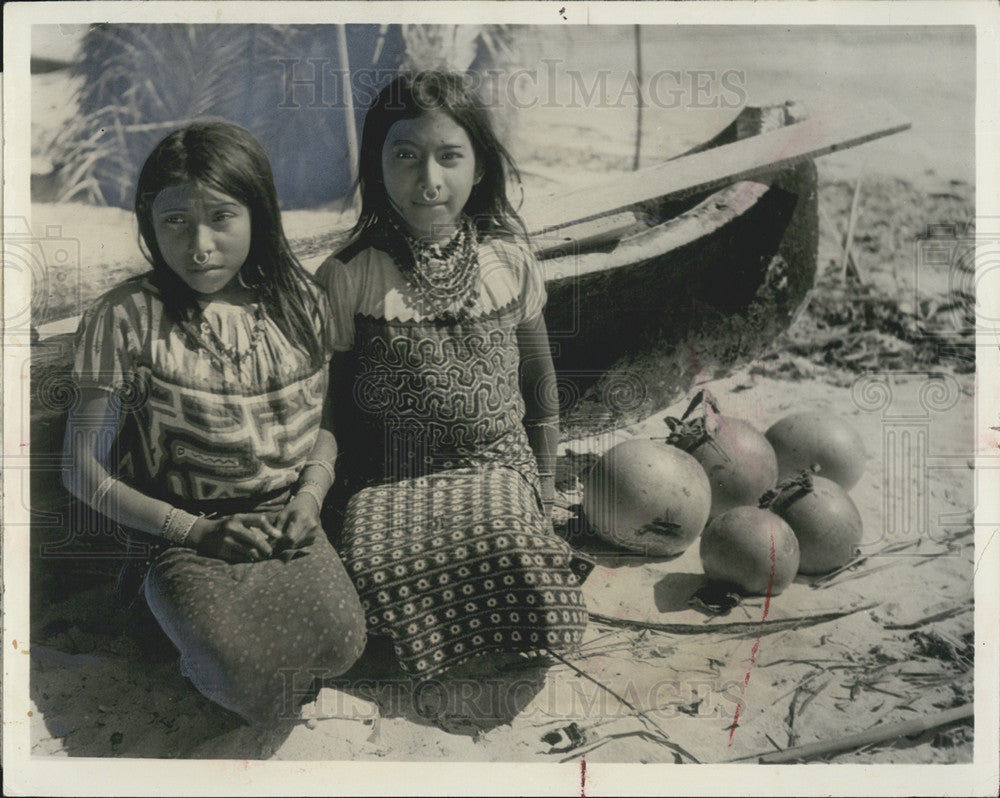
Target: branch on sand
[[736, 627], [877, 734]]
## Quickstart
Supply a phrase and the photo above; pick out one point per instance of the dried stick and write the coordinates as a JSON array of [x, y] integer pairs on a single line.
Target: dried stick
[[825, 218], [776, 625], [877, 734], [890, 549], [965, 606], [849, 235]]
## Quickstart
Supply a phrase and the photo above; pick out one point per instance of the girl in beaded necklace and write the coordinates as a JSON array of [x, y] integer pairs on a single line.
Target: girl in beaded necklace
[[202, 430], [445, 395]]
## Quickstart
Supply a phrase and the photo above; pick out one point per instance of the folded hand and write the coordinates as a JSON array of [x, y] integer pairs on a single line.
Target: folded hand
[[243, 537], [298, 523]]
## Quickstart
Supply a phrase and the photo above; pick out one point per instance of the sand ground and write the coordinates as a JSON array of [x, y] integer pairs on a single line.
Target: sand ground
[[628, 689]]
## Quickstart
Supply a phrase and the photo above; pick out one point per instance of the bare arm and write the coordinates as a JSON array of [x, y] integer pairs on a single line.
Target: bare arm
[[538, 384], [299, 520], [90, 433]]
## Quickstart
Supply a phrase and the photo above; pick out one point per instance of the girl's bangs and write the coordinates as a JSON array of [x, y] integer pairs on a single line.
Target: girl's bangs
[[229, 173]]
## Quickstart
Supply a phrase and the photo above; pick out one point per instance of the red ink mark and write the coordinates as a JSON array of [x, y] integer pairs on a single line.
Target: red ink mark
[[583, 776], [756, 646]]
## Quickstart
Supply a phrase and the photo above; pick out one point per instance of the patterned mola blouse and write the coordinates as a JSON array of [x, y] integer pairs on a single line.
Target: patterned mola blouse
[[198, 429]]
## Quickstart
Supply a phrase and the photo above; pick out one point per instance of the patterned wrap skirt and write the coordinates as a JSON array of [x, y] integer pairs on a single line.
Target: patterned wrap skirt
[[460, 563], [254, 636]]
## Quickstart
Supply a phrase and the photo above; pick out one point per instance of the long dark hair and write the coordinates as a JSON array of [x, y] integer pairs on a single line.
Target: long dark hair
[[230, 160], [407, 97]]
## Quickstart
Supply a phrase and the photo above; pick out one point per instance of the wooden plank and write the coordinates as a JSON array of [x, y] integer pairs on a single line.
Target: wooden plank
[[585, 234], [58, 327], [721, 208], [704, 171]]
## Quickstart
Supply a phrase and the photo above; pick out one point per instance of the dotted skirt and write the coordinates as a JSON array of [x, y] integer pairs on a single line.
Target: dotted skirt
[[253, 636], [462, 563]]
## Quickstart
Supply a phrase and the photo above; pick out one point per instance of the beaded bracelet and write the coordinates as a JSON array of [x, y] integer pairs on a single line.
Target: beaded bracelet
[[186, 529], [328, 467], [177, 525], [102, 490], [313, 489]]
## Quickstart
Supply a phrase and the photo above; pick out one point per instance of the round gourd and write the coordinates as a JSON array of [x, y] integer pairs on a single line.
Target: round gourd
[[739, 462], [826, 523], [750, 548], [647, 497], [801, 440]]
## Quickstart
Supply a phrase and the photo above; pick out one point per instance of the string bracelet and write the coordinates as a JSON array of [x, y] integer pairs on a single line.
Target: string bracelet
[[312, 488], [177, 525], [102, 491], [328, 467], [543, 423]]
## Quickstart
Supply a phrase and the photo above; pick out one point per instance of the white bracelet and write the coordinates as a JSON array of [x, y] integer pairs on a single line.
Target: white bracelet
[[328, 467], [177, 525], [312, 489], [186, 529], [102, 490]]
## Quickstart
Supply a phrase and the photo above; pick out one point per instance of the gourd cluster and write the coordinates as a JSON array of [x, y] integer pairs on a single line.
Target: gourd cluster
[[766, 505]]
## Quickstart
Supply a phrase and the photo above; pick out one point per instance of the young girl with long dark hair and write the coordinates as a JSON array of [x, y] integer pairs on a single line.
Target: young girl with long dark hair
[[449, 414], [203, 428]]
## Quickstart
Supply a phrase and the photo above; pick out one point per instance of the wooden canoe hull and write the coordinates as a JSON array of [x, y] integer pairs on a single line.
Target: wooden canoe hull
[[697, 295]]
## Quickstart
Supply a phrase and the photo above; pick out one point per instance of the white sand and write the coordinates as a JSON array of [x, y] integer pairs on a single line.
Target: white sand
[[688, 684]]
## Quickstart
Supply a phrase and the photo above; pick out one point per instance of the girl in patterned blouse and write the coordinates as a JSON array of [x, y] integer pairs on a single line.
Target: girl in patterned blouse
[[202, 429], [445, 393]]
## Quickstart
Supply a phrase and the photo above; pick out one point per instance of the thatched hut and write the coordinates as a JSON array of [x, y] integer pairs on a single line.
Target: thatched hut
[[299, 88]]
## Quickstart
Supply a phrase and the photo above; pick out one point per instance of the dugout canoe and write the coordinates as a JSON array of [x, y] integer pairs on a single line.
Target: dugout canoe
[[662, 289]]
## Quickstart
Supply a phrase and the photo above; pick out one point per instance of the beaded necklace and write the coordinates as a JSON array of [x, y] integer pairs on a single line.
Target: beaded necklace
[[444, 274], [224, 354]]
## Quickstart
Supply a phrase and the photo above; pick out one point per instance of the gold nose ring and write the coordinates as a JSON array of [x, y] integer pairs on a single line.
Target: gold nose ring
[[431, 194], [201, 258]]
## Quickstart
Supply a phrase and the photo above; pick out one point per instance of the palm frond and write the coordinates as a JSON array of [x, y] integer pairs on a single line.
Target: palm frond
[[141, 81]]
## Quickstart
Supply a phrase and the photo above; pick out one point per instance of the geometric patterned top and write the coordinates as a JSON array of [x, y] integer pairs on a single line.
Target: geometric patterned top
[[431, 392], [196, 430]]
